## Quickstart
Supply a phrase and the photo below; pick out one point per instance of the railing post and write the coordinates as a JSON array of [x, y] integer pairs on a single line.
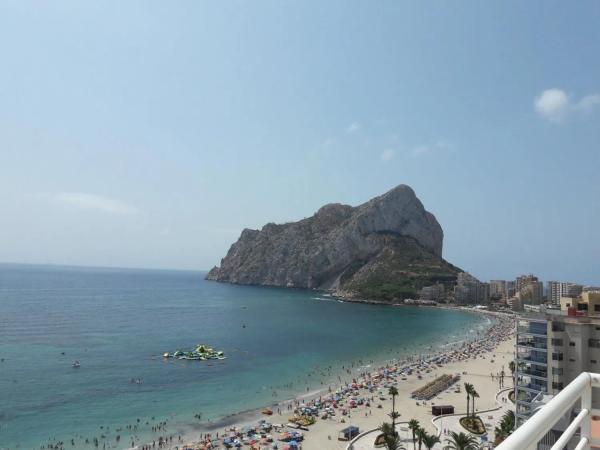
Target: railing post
[[586, 425]]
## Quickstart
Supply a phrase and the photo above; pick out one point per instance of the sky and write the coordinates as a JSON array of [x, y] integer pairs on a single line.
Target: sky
[[149, 134]]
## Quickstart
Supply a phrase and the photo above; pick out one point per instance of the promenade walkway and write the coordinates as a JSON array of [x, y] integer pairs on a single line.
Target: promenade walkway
[[444, 425]]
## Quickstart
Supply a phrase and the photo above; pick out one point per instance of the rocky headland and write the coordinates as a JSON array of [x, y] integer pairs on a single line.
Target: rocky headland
[[385, 249]]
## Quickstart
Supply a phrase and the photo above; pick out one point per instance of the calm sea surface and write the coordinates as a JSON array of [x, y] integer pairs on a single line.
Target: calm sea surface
[[117, 323]]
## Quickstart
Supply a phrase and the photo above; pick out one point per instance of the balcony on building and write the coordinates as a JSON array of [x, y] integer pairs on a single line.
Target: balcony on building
[[532, 356], [568, 420], [532, 327], [532, 342]]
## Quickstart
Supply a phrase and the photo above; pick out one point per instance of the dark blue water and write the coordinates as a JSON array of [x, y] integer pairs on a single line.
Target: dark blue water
[[118, 322]]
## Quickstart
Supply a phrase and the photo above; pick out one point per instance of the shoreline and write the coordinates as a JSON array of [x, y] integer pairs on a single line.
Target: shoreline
[[192, 438], [336, 374], [331, 294]]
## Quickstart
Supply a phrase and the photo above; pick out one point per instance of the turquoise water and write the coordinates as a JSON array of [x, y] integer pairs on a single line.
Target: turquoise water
[[117, 323]]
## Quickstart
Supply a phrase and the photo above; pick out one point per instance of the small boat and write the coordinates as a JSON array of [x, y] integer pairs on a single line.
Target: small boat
[[267, 411], [76, 365]]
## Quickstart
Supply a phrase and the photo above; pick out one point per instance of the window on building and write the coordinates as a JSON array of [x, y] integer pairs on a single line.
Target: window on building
[[582, 307], [571, 344], [596, 309], [557, 356], [557, 342], [557, 371], [557, 385], [571, 359], [558, 326], [594, 343], [593, 361], [597, 328]]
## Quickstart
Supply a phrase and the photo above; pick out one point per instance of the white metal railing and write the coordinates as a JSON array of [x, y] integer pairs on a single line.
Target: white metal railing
[[575, 398]]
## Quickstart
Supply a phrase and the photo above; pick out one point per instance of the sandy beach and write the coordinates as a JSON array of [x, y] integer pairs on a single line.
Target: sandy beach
[[476, 370], [361, 399]]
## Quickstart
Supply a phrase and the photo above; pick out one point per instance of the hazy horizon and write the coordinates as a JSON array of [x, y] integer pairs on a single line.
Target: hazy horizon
[[148, 135]]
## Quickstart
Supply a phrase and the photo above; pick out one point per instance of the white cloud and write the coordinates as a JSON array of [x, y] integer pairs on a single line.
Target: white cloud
[[425, 149], [588, 103], [552, 105], [92, 202], [387, 154], [353, 127], [555, 105]]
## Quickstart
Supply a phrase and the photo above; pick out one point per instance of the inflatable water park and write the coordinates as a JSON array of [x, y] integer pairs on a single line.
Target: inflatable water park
[[200, 353]]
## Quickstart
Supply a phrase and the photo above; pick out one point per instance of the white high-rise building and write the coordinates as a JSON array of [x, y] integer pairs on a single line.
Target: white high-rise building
[[558, 289]]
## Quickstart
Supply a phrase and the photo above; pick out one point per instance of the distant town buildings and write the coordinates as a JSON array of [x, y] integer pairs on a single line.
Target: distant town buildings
[[433, 293], [530, 290], [515, 303], [525, 293], [470, 291], [556, 289], [588, 303], [498, 290]]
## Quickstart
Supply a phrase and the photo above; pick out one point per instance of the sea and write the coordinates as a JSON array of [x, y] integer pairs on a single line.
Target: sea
[[279, 344]]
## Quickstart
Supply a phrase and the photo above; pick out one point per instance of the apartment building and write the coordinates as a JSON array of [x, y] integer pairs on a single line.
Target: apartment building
[[498, 290], [554, 347], [434, 293], [469, 290], [557, 289]]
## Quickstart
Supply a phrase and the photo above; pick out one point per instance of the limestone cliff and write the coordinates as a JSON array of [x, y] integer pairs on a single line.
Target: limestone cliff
[[387, 248]]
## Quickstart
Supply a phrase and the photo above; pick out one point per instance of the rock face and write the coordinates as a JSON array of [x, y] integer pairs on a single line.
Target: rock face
[[386, 248]]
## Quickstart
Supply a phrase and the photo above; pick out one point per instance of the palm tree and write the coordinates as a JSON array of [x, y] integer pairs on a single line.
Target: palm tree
[[507, 426], [430, 440], [391, 439], [394, 443], [512, 366], [421, 435], [461, 441], [468, 389], [414, 426], [474, 394], [386, 429], [393, 392]]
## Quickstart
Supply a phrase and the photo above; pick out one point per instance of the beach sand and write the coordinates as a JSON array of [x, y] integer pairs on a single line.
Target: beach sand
[[477, 373]]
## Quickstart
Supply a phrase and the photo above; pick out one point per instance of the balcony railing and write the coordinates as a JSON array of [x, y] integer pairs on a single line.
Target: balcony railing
[[532, 359], [533, 344], [534, 373], [532, 387], [533, 333], [575, 400]]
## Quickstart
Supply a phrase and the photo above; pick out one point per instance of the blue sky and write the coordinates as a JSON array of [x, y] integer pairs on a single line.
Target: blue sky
[[149, 134]]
